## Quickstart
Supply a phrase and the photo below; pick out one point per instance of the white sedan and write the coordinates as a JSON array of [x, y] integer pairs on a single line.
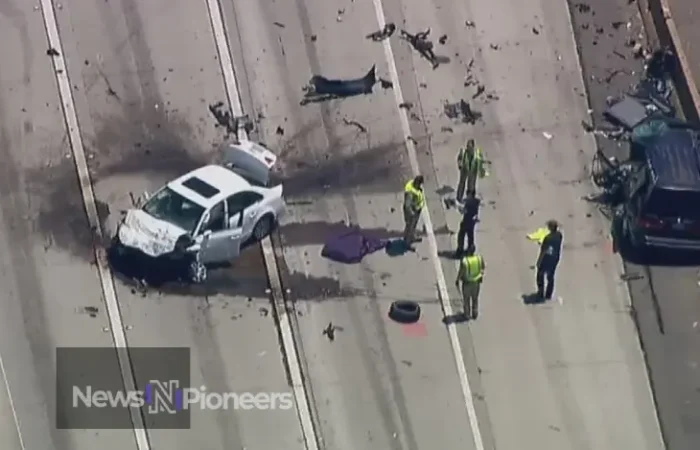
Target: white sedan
[[208, 213]]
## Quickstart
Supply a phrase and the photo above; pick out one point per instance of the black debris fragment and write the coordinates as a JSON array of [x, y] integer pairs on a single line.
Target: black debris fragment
[[446, 130], [613, 73], [382, 34], [278, 24], [52, 52], [443, 39], [492, 97], [224, 118], [264, 312], [406, 105], [470, 24], [355, 124], [479, 90], [583, 8], [313, 38], [279, 131], [91, 311], [631, 276], [462, 110], [386, 84], [535, 30], [329, 331], [494, 46], [619, 55], [617, 25]]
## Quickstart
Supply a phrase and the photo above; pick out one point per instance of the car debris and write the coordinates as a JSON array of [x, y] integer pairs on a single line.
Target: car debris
[[463, 110], [480, 89], [355, 124], [205, 216], [321, 88], [422, 45], [469, 24], [443, 39], [279, 131], [329, 331], [339, 17], [406, 105], [278, 24], [52, 52], [228, 121], [382, 34], [385, 84]]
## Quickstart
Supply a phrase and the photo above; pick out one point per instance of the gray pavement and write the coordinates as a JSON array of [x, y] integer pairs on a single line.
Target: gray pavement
[[665, 299]]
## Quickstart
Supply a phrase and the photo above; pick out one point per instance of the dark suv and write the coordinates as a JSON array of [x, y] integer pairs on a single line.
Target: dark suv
[[662, 207]]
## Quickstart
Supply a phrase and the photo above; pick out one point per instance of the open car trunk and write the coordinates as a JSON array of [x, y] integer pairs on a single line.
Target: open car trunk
[[250, 160]]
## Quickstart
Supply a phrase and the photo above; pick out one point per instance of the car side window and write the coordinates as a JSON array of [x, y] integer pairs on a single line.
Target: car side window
[[217, 218], [240, 201]]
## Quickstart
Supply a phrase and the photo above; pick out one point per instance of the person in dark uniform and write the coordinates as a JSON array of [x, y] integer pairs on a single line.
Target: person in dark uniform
[[548, 259], [470, 216]]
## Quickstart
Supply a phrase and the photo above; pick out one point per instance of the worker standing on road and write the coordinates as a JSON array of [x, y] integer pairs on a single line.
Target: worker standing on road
[[470, 161], [413, 203], [470, 216], [548, 259], [471, 274]]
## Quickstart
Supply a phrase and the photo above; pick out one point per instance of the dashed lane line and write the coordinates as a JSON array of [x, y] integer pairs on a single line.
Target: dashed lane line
[[439, 274], [289, 346], [88, 196]]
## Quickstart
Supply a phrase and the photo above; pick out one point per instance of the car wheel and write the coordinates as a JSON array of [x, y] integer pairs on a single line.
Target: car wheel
[[404, 311], [263, 228]]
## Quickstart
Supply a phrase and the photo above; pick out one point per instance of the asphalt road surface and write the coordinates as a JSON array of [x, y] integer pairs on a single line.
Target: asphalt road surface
[[566, 375]]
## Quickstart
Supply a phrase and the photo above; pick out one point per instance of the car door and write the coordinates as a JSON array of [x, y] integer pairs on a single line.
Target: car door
[[218, 241], [244, 211]]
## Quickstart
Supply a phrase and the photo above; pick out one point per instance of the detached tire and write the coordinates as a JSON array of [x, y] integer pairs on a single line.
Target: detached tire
[[404, 311]]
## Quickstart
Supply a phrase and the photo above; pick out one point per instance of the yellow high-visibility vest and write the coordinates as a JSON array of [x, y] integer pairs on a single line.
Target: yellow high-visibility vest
[[538, 235], [417, 196], [473, 268], [476, 164]]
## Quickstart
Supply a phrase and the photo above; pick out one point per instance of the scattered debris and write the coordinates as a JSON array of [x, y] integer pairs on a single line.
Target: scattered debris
[[479, 90], [278, 24], [382, 34], [583, 8], [224, 118], [406, 105], [547, 136], [631, 276], [492, 97], [339, 18], [329, 331], [463, 109], [422, 45], [470, 24], [353, 123], [617, 25], [443, 39], [90, 311], [314, 38], [52, 52], [613, 73], [618, 54], [494, 46], [447, 130], [264, 312], [279, 131], [386, 84], [535, 31]]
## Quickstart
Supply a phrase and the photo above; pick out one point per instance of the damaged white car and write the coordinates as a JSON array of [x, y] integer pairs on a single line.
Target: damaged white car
[[205, 216]]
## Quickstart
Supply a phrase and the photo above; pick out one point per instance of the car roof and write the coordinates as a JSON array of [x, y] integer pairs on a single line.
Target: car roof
[[209, 185], [674, 159]]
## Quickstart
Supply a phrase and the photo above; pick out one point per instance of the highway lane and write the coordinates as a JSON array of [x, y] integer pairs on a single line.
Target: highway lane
[[144, 74], [377, 385], [576, 361], [665, 298], [45, 289]]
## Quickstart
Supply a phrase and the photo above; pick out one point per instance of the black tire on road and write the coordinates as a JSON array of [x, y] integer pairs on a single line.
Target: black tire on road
[[262, 228], [404, 311]]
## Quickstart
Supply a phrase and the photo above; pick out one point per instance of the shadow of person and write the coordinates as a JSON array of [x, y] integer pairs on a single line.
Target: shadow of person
[[455, 318], [533, 299]]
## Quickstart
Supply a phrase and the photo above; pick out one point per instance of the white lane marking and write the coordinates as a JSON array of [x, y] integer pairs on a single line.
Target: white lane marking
[[76, 143], [12, 405], [233, 93], [620, 262], [442, 285]]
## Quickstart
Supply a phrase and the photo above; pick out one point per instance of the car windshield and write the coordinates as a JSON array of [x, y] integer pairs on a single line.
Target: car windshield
[[169, 206], [666, 203]]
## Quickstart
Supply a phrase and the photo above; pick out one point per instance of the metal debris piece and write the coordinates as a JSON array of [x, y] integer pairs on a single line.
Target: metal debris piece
[[90, 310], [382, 34], [583, 7], [406, 105], [279, 131], [329, 331], [340, 15], [479, 90], [355, 124], [470, 24], [386, 84], [492, 97], [617, 25], [494, 46], [263, 311], [446, 130], [278, 24], [224, 118], [547, 136], [52, 52], [443, 39], [461, 109], [313, 38], [535, 31]]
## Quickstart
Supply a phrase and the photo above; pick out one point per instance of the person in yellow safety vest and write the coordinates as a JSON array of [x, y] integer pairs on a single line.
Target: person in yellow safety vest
[[470, 162], [471, 274], [413, 203]]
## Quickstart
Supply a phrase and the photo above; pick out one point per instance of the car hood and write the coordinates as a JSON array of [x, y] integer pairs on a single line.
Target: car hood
[[152, 236]]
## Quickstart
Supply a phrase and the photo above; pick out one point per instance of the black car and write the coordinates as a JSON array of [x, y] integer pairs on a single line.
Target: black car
[[662, 191]]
